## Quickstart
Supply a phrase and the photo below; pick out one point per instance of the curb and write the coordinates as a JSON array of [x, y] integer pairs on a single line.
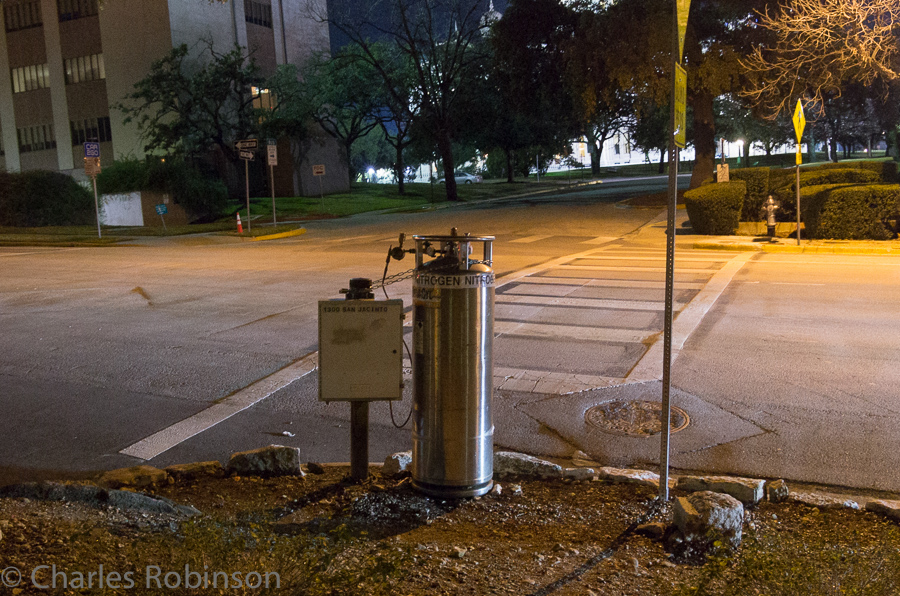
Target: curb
[[297, 232], [807, 249]]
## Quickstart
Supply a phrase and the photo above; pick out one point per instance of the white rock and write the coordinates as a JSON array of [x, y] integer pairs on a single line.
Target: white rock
[[583, 460], [885, 507], [579, 473], [274, 460], [748, 491], [777, 491], [496, 490], [508, 463], [822, 501], [623, 475], [707, 516], [397, 463]]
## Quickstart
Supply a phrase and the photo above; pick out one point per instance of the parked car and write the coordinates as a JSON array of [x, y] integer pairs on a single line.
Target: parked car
[[463, 178]]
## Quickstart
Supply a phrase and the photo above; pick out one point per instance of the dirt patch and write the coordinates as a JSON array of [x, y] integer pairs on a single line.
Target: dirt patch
[[323, 535]]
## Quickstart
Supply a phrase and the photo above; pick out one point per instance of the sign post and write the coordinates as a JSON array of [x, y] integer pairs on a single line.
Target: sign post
[[92, 168], [244, 150], [318, 172], [676, 141], [799, 124], [272, 158], [161, 209]]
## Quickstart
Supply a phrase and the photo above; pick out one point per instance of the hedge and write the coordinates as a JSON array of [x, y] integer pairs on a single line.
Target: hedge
[[786, 192], [757, 180], [42, 198], [850, 212], [202, 196], [886, 170], [715, 209]]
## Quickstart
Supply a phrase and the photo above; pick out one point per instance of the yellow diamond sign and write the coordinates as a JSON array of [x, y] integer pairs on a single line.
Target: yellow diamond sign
[[799, 121]]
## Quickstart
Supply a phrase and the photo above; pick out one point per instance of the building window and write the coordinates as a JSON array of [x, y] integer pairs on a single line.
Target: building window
[[90, 129], [29, 78], [36, 138], [23, 15], [263, 99], [69, 10], [258, 13], [84, 68]]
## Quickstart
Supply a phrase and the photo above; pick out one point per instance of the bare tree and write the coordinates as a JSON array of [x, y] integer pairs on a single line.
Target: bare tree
[[818, 47]]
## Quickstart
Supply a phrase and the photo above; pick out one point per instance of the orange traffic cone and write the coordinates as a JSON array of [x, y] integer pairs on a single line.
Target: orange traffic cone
[[240, 227]]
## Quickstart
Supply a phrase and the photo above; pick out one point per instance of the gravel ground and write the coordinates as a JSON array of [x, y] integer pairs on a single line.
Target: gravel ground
[[323, 535]]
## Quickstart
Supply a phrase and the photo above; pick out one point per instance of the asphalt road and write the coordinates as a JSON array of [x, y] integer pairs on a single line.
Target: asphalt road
[[191, 348]]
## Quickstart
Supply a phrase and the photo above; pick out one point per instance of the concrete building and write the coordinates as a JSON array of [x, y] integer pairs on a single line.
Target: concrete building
[[65, 63]]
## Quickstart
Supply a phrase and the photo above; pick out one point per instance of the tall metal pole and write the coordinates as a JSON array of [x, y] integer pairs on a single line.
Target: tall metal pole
[[96, 205], [247, 188], [272, 184], [665, 412], [798, 199]]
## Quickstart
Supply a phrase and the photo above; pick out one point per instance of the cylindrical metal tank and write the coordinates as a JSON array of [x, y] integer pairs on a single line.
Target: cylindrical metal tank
[[453, 331]]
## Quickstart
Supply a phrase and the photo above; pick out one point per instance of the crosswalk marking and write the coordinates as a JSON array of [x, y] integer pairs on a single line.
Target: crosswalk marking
[[661, 257], [568, 332], [599, 240], [608, 283], [529, 239], [631, 269], [596, 303]]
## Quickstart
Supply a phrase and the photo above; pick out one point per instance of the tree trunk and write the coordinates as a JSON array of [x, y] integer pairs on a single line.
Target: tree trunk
[[509, 166], [445, 148], [398, 169], [662, 160], [704, 138], [595, 153], [811, 146], [834, 149]]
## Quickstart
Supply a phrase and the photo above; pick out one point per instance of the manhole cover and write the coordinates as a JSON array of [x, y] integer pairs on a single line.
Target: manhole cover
[[634, 418]]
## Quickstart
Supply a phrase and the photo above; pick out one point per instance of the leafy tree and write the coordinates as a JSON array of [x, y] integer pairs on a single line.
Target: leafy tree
[[343, 91], [187, 107], [718, 33], [531, 108], [602, 107], [439, 38]]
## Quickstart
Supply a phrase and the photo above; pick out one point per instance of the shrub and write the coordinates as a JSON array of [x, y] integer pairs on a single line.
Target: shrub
[[202, 196], [716, 208], [886, 170], [851, 212], [786, 191], [757, 180], [123, 176], [42, 198]]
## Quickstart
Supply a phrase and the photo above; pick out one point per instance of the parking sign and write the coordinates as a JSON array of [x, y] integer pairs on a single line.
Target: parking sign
[[92, 149]]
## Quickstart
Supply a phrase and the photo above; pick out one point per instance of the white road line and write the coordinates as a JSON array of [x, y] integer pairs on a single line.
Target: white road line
[[662, 257], [179, 432], [565, 332], [650, 366], [600, 240], [609, 283], [630, 269], [582, 302], [529, 239]]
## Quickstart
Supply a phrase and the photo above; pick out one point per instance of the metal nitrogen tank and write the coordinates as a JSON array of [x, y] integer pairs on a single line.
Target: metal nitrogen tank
[[453, 332]]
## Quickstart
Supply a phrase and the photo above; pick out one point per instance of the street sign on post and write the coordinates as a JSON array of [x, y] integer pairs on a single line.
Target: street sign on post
[[683, 8], [92, 149], [246, 144], [680, 132], [799, 121], [272, 158], [799, 124], [319, 170], [246, 155]]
